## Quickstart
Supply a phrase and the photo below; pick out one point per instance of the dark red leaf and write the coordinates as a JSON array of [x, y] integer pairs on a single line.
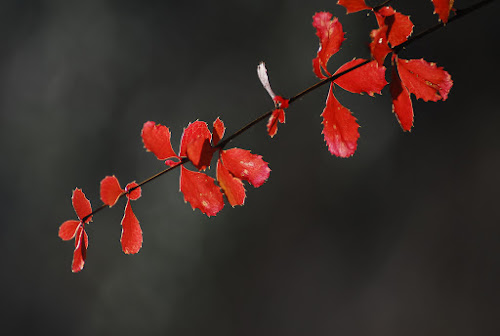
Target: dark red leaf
[[110, 190], [232, 186], [442, 8], [401, 102], [399, 25], [67, 230], [353, 5], [369, 78], [272, 124], [339, 127], [134, 194], [425, 80], [379, 47], [246, 166], [131, 238], [218, 131], [330, 36], [81, 205], [201, 192], [156, 139]]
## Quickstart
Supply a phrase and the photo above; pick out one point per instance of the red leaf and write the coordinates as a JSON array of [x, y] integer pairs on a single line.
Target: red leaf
[[339, 127], [281, 102], [200, 153], [369, 78], [156, 139], [218, 132], [232, 186], [399, 25], [331, 36], [272, 124], [80, 252], [195, 131], [134, 194], [401, 102], [201, 192], [353, 5], [110, 190], [246, 166], [68, 229], [81, 205], [425, 80], [379, 47], [131, 238], [442, 8]]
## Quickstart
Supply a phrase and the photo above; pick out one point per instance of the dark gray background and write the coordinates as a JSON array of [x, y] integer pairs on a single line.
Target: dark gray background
[[401, 239]]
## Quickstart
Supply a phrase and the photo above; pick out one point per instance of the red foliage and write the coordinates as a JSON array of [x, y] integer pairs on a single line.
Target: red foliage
[[131, 238], [399, 26], [76, 229], [353, 5], [339, 127], [443, 8], [368, 78], [331, 36]]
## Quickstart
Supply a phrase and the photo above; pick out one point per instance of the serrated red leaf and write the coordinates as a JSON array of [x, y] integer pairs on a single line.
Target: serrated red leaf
[[401, 102], [246, 166], [156, 139], [80, 252], [232, 186], [131, 238], [425, 80], [330, 36], [194, 132], [353, 5], [442, 8], [134, 194], [201, 192], [110, 190], [81, 205], [379, 47], [200, 152], [68, 229], [218, 131], [272, 124], [339, 127], [399, 25], [369, 78]]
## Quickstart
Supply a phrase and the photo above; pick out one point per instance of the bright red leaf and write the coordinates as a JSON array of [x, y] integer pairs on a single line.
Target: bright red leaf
[[232, 186], [369, 78], [156, 139], [131, 238], [195, 144], [218, 131], [379, 47], [425, 80], [399, 26], [76, 229], [353, 5], [442, 8], [246, 166], [272, 124], [339, 127], [401, 102], [201, 192], [110, 190], [330, 36]]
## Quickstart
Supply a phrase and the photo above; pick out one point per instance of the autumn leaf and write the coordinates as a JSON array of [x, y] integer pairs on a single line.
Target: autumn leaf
[[201, 192], [331, 36], [399, 26], [195, 144], [353, 5], [443, 8], [340, 128], [425, 80], [368, 78], [131, 238], [232, 186], [246, 166], [379, 47], [156, 139], [110, 190], [401, 102]]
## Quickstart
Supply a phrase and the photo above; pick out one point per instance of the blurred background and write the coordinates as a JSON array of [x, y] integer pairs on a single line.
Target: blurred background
[[401, 239]]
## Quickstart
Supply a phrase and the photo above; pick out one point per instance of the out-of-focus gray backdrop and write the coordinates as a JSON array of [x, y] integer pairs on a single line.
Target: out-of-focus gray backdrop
[[401, 239]]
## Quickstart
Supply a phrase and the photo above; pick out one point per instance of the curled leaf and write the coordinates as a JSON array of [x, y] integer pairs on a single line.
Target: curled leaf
[[331, 36], [81, 205], [399, 26]]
